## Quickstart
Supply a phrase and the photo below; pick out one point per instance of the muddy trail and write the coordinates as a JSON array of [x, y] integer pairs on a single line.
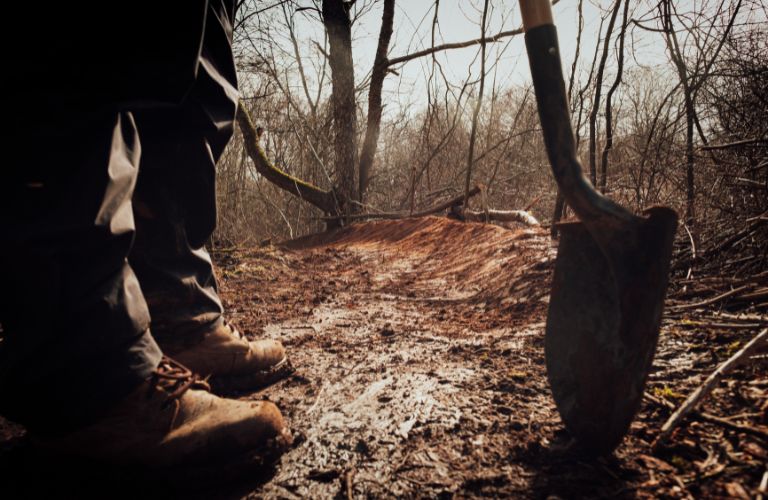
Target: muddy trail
[[418, 347]]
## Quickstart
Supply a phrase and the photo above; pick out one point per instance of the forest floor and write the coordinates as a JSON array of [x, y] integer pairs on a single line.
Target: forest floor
[[418, 347]]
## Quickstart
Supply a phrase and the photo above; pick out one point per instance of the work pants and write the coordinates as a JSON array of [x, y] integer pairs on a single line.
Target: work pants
[[107, 201]]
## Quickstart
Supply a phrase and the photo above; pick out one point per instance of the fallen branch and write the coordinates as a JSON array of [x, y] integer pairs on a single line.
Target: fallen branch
[[750, 182], [743, 317], [721, 326], [705, 388], [724, 422], [520, 216], [712, 419], [760, 293], [458, 200], [735, 238], [745, 142], [716, 299]]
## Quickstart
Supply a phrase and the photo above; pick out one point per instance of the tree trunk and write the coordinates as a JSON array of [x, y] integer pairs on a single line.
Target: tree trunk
[[598, 91], [380, 65], [608, 103], [559, 211], [478, 106], [690, 113], [339, 28]]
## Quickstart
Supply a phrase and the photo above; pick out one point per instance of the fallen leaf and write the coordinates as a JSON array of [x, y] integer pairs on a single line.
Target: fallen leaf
[[656, 463], [736, 490], [755, 450]]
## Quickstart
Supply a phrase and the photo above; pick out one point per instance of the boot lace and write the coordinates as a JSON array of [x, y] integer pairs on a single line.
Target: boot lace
[[175, 379]]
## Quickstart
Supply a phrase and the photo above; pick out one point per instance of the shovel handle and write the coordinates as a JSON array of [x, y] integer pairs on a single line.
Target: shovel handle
[[535, 13], [592, 208]]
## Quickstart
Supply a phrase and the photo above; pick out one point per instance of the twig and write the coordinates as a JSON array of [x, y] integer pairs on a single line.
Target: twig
[[745, 142], [348, 476], [724, 422], [705, 388], [715, 299], [693, 251], [763, 488], [458, 45]]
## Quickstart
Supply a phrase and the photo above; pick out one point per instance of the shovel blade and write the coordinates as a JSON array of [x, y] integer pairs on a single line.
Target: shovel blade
[[603, 325]]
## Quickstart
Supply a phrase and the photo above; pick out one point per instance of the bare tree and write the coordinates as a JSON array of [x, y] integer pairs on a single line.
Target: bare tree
[[608, 102], [708, 46], [380, 66], [478, 105], [559, 211], [596, 99], [338, 25]]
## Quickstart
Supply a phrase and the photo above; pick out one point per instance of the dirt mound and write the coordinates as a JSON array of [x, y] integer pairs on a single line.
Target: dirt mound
[[496, 268]]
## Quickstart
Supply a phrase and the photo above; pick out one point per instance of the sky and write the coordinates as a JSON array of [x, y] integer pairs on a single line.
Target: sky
[[459, 20]]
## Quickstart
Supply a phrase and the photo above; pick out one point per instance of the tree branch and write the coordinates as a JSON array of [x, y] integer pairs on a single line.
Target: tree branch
[[324, 200], [457, 45]]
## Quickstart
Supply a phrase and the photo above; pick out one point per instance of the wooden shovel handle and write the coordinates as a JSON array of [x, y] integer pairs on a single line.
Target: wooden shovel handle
[[535, 13]]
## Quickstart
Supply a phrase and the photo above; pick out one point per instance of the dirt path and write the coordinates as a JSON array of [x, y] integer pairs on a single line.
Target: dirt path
[[419, 347], [420, 373], [419, 354]]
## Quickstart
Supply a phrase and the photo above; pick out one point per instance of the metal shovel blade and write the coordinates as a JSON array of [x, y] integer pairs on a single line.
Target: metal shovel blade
[[610, 276], [603, 324]]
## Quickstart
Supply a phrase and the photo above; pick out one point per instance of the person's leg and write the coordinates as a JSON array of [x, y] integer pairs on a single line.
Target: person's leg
[[175, 271], [175, 210], [175, 200], [75, 324], [78, 366]]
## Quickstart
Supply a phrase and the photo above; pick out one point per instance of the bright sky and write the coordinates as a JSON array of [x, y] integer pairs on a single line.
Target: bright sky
[[459, 20]]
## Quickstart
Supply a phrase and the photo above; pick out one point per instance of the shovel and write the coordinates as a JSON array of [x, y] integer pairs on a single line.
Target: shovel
[[610, 278]]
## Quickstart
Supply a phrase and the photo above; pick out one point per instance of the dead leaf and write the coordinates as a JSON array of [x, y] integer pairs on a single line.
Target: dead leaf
[[736, 490], [755, 450], [656, 463]]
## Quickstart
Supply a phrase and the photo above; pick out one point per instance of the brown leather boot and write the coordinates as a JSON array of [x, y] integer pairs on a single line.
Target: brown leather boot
[[233, 362], [172, 419]]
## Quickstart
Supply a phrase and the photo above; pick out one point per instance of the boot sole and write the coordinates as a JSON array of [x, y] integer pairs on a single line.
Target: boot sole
[[243, 470]]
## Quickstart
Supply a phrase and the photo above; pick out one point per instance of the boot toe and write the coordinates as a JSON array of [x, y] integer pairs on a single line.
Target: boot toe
[[267, 353]]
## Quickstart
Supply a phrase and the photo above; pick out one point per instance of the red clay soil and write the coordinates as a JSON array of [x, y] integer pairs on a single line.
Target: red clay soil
[[418, 345]]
